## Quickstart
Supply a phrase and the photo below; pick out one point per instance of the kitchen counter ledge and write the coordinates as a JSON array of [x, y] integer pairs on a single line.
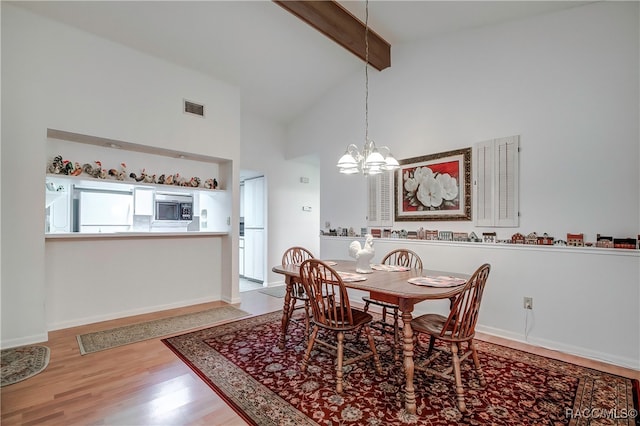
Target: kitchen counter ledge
[[79, 235]]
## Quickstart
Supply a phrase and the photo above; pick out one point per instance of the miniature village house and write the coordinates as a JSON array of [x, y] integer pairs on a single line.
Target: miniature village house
[[545, 240], [624, 243], [575, 240], [604, 242], [489, 237], [446, 235], [531, 239], [431, 235], [517, 238], [460, 236]]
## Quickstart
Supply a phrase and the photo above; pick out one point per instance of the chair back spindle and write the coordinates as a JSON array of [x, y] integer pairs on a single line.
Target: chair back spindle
[[403, 257], [295, 256], [461, 322], [327, 293]]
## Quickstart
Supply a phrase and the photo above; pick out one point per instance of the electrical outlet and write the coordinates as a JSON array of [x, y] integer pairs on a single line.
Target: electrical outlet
[[528, 303]]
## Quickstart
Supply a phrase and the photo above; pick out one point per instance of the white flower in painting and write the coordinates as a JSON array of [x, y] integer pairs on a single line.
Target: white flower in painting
[[410, 184], [449, 186], [419, 175], [422, 173], [430, 192]]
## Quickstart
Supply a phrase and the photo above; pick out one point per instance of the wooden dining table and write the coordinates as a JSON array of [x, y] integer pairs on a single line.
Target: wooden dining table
[[392, 286]]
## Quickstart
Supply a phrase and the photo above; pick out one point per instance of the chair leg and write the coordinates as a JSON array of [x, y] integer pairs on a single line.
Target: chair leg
[[307, 354], [476, 361], [366, 306], [432, 341], [372, 345], [339, 362], [306, 319], [396, 335], [292, 305], [456, 369], [384, 314]]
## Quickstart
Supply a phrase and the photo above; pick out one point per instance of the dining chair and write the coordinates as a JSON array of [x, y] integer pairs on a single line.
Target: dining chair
[[398, 257], [332, 312], [295, 256], [456, 328]]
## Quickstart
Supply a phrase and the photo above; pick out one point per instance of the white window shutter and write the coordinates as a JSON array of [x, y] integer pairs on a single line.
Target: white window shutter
[[507, 180], [483, 184], [380, 199], [496, 182]]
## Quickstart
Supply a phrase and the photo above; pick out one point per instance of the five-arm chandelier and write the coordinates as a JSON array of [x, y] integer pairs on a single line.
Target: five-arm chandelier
[[371, 160]]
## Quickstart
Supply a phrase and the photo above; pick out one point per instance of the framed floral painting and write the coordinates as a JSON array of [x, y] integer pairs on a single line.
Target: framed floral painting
[[434, 187]]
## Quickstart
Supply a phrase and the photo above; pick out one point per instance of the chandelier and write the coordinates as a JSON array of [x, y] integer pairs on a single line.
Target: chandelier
[[371, 160]]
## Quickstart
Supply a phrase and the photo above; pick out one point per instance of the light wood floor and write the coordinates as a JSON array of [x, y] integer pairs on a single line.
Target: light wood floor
[[145, 383]]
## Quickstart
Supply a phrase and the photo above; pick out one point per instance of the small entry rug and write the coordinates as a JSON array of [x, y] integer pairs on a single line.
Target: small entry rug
[[21, 363], [277, 291], [241, 361], [107, 339]]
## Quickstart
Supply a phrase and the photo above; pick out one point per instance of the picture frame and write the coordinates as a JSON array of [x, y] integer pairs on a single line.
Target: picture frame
[[434, 187]]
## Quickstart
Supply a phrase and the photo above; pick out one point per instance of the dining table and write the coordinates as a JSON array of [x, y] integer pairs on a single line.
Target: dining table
[[389, 284]]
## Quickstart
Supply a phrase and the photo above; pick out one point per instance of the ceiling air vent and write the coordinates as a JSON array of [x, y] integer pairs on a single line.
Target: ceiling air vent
[[193, 108]]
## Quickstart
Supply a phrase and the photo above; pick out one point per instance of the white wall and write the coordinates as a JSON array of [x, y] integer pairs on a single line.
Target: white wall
[[566, 82], [584, 300], [57, 77], [287, 224]]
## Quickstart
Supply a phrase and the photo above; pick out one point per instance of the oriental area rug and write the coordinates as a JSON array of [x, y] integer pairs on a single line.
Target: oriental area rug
[[132, 333], [241, 361], [21, 363]]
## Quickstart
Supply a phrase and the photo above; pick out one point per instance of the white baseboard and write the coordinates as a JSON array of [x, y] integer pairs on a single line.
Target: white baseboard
[[121, 314], [562, 347], [28, 340]]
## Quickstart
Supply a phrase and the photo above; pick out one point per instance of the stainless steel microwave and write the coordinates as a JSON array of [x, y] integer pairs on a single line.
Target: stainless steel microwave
[[173, 207]]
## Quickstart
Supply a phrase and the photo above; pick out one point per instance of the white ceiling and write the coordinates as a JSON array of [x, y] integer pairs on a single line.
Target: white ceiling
[[281, 65]]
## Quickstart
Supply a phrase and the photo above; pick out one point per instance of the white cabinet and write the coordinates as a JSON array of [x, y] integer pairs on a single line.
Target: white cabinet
[[254, 203], [254, 254]]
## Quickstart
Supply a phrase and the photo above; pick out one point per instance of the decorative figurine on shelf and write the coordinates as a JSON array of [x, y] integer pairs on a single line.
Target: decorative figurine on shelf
[[194, 182], [168, 180], [149, 179], [77, 169], [178, 180], [362, 255], [517, 238], [210, 183], [575, 240], [91, 170], [121, 174], [137, 178], [161, 179], [56, 165], [69, 167]]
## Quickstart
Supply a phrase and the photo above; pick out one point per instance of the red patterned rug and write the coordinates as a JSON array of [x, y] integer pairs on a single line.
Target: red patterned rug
[[241, 361]]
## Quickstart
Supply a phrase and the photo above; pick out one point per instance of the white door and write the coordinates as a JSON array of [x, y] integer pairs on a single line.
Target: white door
[[254, 203]]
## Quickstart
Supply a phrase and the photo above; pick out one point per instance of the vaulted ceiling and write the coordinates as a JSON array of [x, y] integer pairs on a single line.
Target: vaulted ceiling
[[281, 64]]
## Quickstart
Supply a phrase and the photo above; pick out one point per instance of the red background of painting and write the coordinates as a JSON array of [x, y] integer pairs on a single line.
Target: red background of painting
[[451, 167]]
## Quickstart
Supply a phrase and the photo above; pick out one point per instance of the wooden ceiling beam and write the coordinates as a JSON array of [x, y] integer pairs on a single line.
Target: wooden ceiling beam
[[337, 23]]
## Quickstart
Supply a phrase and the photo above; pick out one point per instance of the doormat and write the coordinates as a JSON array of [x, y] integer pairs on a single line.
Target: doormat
[[107, 339], [277, 291], [241, 362], [21, 363]]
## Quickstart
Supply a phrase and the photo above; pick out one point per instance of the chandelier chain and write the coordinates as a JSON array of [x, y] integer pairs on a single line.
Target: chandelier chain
[[366, 71]]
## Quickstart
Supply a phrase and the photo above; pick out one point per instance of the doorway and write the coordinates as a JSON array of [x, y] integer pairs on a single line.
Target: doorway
[[253, 240]]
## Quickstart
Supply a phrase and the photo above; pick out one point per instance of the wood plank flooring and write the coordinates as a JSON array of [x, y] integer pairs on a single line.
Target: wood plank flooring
[[145, 383]]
